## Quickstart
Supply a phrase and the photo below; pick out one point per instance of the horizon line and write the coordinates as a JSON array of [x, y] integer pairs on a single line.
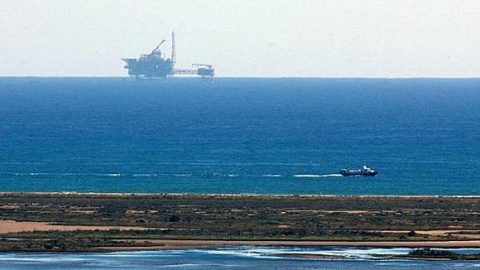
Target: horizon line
[[227, 77]]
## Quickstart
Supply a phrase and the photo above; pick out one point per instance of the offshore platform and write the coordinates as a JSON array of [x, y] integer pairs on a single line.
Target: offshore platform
[[155, 65]]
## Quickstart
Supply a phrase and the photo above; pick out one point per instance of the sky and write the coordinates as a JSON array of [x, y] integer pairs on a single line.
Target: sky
[[244, 38]]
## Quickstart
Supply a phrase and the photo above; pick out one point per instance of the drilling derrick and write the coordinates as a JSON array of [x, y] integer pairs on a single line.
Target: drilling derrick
[[156, 65], [174, 53]]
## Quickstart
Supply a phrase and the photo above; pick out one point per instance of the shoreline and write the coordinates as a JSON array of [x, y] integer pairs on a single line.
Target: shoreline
[[148, 194], [158, 244]]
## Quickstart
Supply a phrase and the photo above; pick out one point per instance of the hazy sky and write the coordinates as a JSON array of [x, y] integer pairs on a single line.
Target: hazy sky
[[269, 38]]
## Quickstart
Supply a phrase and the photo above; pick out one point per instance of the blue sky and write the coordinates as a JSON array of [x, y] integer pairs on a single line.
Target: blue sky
[[265, 38]]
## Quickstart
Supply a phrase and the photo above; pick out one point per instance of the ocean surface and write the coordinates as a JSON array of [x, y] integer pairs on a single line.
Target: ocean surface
[[267, 136], [247, 257]]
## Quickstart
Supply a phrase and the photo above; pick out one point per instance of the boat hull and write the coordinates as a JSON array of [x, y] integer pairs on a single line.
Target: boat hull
[[361, 172], [366, 174]]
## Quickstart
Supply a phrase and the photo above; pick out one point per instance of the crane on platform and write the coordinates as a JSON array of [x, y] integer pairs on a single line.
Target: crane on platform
[[155, 65], [158, 47]]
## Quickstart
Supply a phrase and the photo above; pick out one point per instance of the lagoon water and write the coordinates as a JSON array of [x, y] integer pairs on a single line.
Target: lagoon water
[[246, 257], [269, 136]]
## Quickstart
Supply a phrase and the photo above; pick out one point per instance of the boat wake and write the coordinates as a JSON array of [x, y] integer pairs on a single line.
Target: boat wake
[[213, 175], [332, 175], [317, 175]]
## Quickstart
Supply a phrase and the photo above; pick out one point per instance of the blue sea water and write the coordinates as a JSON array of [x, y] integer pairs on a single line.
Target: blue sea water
[[269, 136]]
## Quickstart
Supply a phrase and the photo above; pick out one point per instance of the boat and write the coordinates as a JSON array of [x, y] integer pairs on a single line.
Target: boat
[[364, 171]]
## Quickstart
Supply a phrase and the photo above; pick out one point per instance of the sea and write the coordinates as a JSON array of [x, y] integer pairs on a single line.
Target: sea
[[238, 135]]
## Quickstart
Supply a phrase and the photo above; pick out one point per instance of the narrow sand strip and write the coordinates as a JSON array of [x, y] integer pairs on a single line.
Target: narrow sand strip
[[155, 244], [11, 226], [317, 243]]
